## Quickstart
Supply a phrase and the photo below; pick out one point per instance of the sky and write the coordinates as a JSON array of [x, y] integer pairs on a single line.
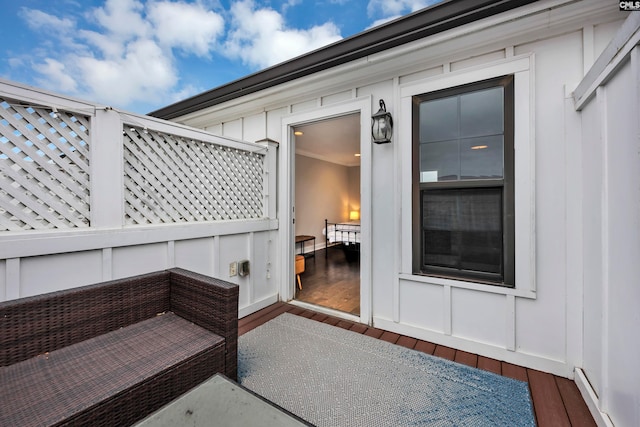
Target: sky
[[141, 55]]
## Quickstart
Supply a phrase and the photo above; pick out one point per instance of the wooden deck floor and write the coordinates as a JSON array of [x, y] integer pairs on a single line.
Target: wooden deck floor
[[556, 400], [331, 282]]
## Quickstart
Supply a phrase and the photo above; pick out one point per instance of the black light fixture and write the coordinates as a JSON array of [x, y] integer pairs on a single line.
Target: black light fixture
[[381, 125]]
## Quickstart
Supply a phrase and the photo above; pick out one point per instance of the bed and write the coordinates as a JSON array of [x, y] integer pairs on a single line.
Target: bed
[[345, 235]]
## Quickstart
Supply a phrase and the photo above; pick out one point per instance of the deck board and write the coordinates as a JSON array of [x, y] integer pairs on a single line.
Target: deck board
[[425, 347], [374, 332], [577, 409], [516, 372], [406, 341], [465, 358], [547, 402], [359, 328], [491, 365], [445, 352], [389, 337], [262, 316], [556, 401]]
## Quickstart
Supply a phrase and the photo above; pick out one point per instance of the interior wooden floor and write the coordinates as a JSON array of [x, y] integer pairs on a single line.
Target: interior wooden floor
[[333, 282], [556, 401]]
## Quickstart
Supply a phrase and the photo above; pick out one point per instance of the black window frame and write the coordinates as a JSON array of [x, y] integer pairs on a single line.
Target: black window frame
[[507, 276]]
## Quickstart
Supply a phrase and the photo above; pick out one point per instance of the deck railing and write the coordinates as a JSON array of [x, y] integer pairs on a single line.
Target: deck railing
[[44, 167], [169, 177], [82, 172]]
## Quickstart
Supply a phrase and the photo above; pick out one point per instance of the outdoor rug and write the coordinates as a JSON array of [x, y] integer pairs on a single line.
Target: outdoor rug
[[333, 377]]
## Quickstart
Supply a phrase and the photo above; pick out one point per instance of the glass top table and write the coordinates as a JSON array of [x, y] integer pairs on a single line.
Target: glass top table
[[220, 401]]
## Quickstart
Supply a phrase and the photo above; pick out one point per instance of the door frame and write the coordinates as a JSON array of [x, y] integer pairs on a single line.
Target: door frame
[[286, 193]]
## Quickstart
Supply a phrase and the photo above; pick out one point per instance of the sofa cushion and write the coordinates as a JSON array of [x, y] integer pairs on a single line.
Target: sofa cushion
[[57, 386]]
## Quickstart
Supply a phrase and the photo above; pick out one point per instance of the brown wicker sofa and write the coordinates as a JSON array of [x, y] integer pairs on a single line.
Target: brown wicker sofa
[[113, 352]]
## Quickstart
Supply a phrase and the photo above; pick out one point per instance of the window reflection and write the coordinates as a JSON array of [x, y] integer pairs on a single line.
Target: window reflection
[[462, 136]]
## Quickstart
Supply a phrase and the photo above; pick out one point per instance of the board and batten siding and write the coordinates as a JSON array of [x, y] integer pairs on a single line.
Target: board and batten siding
[[609, 101], [548, 46]]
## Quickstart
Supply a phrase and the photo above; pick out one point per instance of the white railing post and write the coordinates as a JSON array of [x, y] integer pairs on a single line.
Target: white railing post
[[270, 178], [107, 198]]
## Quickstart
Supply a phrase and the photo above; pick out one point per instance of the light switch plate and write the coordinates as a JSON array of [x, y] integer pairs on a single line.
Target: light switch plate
[[233, 269]]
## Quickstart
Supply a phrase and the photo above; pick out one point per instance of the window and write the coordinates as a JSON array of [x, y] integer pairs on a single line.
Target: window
[[463, 160]]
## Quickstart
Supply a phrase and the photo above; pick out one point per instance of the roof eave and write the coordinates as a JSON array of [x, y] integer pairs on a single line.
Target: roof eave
[[423, 23]]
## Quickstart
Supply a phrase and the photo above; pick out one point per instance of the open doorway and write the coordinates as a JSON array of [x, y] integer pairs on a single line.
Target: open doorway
[[327, 212]]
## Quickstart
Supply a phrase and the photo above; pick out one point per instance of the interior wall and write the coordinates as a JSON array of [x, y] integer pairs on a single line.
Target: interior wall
[[324, 190], [354, 188], [321, 192]]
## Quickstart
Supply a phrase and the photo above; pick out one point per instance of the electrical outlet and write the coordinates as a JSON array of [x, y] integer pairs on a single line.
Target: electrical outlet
[[243, 268], [233, 269]]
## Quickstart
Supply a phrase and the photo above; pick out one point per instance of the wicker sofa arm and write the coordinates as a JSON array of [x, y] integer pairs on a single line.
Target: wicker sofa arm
[[210, 303]]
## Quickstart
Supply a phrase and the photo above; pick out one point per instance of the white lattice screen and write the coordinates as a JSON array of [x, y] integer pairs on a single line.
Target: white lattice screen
[[44, 168], [170, 179]]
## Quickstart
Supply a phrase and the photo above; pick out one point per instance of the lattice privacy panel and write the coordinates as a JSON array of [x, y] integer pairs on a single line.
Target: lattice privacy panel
[[170, 179], [44, 168]]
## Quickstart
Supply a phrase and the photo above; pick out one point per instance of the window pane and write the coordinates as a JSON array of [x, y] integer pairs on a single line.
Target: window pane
[[480, 228], [439, 119], [439, 161], [482, 157], [481, 113], [439, 210], [461, 136], [462, 229]]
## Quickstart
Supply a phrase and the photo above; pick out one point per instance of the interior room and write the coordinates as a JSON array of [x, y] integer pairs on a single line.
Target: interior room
[[327, 196]]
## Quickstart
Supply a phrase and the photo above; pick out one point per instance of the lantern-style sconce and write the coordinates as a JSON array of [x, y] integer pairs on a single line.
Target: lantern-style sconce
[[381, 125]]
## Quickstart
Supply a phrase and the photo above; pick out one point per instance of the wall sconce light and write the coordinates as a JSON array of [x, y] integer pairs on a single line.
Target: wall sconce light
[[354, 215], [381, 125]]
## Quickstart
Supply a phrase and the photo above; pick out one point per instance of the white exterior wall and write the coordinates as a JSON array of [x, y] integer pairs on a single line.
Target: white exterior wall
[[549, 46], [36, 265], [611, 147]]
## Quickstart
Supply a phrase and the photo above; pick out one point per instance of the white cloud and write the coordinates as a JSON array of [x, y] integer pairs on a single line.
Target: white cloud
[[126, 53], [38, 20], [190, 27], [56, 76], [108, 46], [59, 31], [128, 56], [260, 38], [143, 72], [290, 3], [123, 19]]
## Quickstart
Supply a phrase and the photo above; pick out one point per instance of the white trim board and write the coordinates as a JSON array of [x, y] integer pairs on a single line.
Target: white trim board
[[591, 399], [287, 194], [614, 55]]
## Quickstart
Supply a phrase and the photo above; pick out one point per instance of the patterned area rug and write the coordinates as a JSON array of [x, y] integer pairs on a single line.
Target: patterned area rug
[[333, 377]]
